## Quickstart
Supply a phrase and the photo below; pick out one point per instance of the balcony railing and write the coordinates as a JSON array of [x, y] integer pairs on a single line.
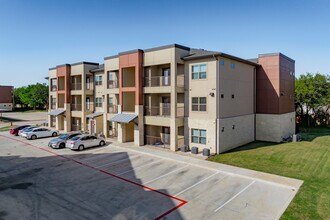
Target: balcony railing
[[75, 86], [53, 88], [164, 110], [113, 109], [112, 84], [98, 83], [162, 141], [76, 107], [156, 81], [75, 127]]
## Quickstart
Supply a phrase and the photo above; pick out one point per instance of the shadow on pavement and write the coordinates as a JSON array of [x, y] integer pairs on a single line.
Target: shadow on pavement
[[54, 187]]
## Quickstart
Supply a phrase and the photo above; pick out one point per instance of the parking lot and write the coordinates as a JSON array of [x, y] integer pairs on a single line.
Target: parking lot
[[130, 183]]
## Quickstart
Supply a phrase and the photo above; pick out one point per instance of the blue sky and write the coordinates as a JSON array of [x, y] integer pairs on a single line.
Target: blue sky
[[36, 35]]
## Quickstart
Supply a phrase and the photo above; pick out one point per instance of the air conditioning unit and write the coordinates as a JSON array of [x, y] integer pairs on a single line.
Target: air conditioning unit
[[194, 150], [206, 152], [184, 148]]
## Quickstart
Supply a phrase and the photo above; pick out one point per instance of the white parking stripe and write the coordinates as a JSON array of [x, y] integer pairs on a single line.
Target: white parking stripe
[[199, 182], [98, 156], [234, 196], [107, 164], [150, 181], [119, 174]]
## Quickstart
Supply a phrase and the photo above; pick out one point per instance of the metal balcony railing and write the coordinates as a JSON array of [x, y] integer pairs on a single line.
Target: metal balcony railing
[[164, 110], [76, 107], [75, 86], [162, 141], [113, 109], [53, 88], [156, 81], [112, 84]]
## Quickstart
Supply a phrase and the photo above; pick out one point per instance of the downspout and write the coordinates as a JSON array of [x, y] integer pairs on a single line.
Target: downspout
[[217, 106], [254, 101]]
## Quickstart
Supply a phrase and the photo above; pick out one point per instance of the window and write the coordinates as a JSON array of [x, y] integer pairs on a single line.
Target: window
[[98, 102], [233, 65], [110, 101], [53, 84], [198, 136], [222, 62], [198, 71], [98, 80], [198, 104], [110, 76]]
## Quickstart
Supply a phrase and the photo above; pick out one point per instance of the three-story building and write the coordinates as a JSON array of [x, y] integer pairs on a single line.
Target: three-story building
[[174, 95]]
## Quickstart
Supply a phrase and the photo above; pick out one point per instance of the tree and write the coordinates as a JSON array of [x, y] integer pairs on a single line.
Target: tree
[[312, 96], [34, 95]]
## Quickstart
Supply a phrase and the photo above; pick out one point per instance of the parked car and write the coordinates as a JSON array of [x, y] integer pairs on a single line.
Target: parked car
[[14, 131], [27, 129], [81, 142], [39, 133], [61, 140]]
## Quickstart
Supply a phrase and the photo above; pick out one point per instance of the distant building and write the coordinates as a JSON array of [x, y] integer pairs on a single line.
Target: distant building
[[6, 98]]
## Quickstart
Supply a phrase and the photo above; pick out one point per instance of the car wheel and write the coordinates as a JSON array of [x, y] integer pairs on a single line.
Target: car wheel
[[54, 134], [33, 137], [102, 143], [62, 145], [81, 147]]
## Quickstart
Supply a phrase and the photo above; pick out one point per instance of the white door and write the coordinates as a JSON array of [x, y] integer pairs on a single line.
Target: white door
[[166, 76]]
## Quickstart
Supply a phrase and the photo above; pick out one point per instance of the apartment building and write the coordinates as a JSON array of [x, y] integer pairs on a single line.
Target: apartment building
[[6, 98], [174, 95]]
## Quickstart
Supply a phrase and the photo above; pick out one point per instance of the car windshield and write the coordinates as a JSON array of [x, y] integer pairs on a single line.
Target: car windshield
[[75, 138], [63, 136]]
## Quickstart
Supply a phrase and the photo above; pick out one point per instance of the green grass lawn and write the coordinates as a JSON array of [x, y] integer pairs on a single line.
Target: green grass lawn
[[6, 128], [307, 160]]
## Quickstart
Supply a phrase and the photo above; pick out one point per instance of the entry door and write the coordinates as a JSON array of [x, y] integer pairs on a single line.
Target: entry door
[[88, 100], [166, 77], [88, 83], [166, 105], [166, 135]]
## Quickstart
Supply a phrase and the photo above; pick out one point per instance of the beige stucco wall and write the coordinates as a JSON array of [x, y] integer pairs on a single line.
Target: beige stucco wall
[[111, 64], [238, 82], [273, 128], [242, 133], [201, 88]]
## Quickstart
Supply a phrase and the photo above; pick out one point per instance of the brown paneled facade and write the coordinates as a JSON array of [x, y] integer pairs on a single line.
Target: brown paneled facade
[[275, 84], [63, 80]]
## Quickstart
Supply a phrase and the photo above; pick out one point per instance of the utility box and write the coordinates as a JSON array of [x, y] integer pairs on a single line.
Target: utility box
[[206, 152], [194, 150], [184, 148], [296, 137]]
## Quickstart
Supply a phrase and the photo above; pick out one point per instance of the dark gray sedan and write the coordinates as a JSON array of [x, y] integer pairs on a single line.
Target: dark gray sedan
[[60, 141]]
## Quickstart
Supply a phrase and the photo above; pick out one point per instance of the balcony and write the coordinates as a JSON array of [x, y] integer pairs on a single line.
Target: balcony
[[53, 88], [162, 141], [75, 86], [53, 106], [156, 81], [163, 110], [75, 107], [113, 109], [112, 84]]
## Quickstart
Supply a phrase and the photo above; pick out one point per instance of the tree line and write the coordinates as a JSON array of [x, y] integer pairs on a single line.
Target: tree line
[[312, 99], [32, 96]]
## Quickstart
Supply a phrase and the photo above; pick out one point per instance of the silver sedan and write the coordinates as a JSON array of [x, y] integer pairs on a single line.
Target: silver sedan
[[61, 140], [81, 142]]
